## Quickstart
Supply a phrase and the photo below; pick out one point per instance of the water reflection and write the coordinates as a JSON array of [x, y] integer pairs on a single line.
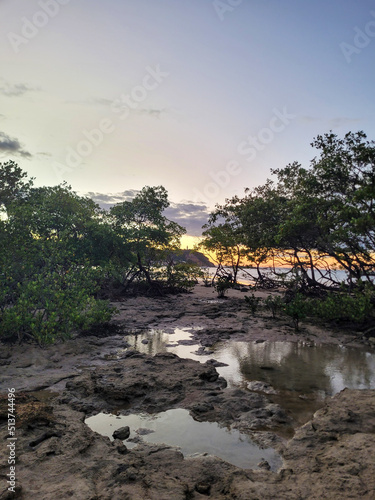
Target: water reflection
[[178, 428], [161, 341], [303, 374], [298, 366]]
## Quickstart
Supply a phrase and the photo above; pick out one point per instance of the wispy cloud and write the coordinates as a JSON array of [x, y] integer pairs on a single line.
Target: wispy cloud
[[15, 90], [343, 121], [339, 121], [107, 103], [11, 145], [44, 153], [154, 113], [188, 214]]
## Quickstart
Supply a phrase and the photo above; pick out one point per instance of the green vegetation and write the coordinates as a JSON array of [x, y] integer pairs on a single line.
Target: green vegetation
[[337, 307], [222, 284], [274, 304], [62, 258], [61, 255], [310, 220], [253, 303]]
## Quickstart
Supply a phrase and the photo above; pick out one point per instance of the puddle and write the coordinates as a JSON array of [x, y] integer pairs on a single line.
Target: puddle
[[296, 375], [178, 428], [302, 374], [162, 341]]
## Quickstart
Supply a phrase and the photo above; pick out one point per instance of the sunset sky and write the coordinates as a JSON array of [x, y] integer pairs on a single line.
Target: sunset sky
[[200, 96]]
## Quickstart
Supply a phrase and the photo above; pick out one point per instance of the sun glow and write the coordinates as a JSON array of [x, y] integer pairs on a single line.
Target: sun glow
[[189, 242]]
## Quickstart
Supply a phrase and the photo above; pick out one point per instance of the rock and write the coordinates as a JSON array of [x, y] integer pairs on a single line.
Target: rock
[[333, 456], [143, 432], [147, 383], [263, 464], [203, 488], [122, 433], [258, 386], [216, 363], [202, 351], [135, 439], [120, 447], [202, 407]]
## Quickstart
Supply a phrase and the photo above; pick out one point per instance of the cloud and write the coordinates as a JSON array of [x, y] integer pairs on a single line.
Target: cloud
[[15, 90], [96, 101], [154, 113], [188, 214], [107, 200], [9, 145], [339, 121], [343, 121], [108, 103], [44, 153]]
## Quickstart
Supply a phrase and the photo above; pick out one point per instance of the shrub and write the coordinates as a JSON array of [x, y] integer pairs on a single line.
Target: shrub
[[297, 309], [253, 302], [274, 304], [183, 276], [51, 304], [222, 285], [343, 306]]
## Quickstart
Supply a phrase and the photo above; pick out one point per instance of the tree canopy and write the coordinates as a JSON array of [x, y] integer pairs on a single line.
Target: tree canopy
[[59, 251], [309, 218]]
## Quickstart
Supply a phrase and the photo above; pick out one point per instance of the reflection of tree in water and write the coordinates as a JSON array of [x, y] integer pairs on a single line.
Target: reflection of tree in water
[[296, 367], [157, 341], [357, 368]]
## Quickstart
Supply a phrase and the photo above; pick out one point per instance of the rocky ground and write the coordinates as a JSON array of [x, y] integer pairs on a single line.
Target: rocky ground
[[59, 456]]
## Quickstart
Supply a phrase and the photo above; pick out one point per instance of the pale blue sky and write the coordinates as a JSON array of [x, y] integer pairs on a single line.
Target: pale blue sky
[[223, 73]]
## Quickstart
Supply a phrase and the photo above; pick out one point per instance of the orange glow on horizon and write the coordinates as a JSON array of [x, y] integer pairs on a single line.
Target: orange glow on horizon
[[190, 242]]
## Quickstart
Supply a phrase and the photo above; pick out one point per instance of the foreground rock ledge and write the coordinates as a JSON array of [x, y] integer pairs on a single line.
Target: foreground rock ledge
[[332, 456], [143, 383]]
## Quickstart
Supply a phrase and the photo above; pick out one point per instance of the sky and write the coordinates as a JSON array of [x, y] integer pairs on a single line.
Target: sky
[[203, 97]]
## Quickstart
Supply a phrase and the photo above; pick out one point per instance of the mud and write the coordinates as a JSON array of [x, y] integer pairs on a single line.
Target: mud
[[59, 456]]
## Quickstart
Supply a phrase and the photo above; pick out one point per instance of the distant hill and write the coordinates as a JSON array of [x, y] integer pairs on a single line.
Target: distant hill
[[193, 257]]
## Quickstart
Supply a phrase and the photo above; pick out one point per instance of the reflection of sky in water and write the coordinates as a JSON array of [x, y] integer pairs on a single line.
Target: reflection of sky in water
[[285, 365], [178, 428], [158, 340], [297, 366]]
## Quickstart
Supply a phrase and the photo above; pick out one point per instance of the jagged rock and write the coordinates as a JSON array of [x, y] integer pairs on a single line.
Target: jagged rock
[[122, 433], [258, 386]]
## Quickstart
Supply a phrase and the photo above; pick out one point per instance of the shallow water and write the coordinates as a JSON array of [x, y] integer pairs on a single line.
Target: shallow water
[[178, 428], [161, 341], [303, 374]]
